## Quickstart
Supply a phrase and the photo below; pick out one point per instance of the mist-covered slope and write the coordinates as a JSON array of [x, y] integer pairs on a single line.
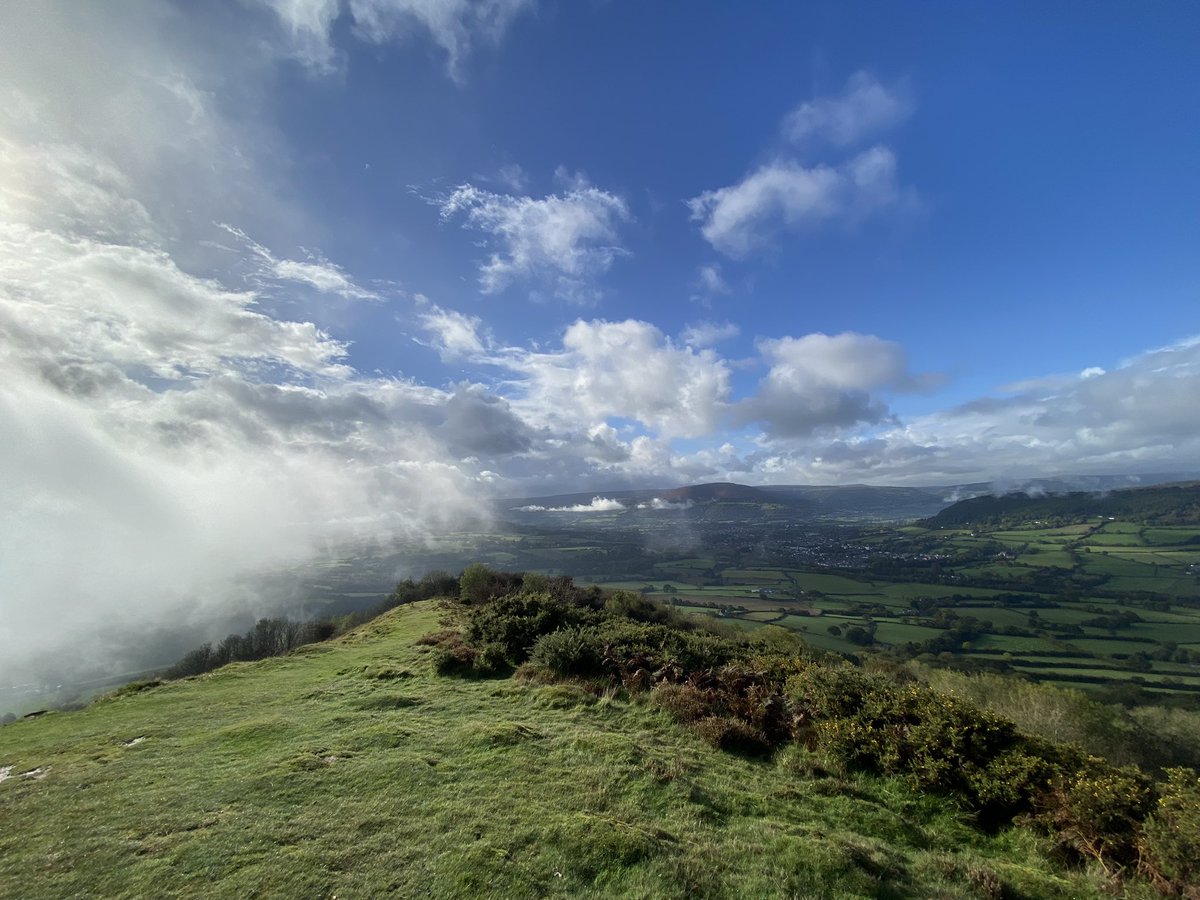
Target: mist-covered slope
[[1174, 504], [350, 769]]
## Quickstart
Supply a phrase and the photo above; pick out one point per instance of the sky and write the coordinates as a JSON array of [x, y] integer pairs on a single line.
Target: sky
[[272, 273]]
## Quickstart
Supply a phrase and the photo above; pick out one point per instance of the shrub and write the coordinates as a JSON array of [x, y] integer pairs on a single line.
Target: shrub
[[491, 659], [641, 655], [733, 735], [1096, 811], [1170, 840], [515, 622], [934, 741], [454, 659], [629, 605], [479, 584], [570, 651], [685, 702]]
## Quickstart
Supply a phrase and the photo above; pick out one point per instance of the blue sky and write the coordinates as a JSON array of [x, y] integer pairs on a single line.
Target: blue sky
[[1047, 154], [275, 273]]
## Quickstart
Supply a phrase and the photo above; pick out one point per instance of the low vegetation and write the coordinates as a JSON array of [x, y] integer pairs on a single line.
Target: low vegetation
[[523, 735], [754, 696]]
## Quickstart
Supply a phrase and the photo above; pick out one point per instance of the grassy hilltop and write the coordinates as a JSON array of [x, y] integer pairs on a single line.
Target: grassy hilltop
[[352, 768]]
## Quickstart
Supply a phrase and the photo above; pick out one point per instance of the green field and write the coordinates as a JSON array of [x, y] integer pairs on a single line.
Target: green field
[[1112, 560]]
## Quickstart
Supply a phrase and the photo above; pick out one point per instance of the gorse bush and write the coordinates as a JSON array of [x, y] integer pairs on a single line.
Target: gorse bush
[[570, 652], [1097, 809], [514, 623], [1170, 839], [934, 741]]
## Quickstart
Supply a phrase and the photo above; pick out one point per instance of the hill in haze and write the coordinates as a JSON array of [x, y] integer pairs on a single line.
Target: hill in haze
[[1169, 504], [802, 503], [794, 502]]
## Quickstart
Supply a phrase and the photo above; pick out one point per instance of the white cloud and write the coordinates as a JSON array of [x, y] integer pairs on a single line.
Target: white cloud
[[785, 196], [1135, 418], [706, 334], [455, 335], [561, 241], [123, 123], [162, 430], [709, 283], [864, 108], [659, 503], [823, 381], [87, 302], [166, 437], [317, 273], [456, 26], [598, 504], [627, 370], [308, 24]]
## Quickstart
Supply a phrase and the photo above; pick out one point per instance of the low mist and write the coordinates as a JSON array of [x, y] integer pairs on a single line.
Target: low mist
[[108, 539]]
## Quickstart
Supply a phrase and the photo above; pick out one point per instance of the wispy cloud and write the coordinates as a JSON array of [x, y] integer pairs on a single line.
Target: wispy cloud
[[709, 283], [788, 194], [317, 272], [457, 27], [865, 108], [785, 195], [706, 334], [560, 242]]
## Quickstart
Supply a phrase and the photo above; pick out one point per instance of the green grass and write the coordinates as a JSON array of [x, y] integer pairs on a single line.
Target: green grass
[[350, 770]]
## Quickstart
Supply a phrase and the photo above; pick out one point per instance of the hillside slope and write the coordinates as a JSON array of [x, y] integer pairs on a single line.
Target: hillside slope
[[1174, 504], [351, 770]]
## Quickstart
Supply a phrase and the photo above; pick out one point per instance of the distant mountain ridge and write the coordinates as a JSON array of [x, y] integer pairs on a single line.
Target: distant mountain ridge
[[852, 502]]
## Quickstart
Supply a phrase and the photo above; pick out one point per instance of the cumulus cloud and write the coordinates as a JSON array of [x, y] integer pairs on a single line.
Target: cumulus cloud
[[560, 242], [864, 108], [786, 195], [598, 504], [626, 370], [827, 381], [455, 26]]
